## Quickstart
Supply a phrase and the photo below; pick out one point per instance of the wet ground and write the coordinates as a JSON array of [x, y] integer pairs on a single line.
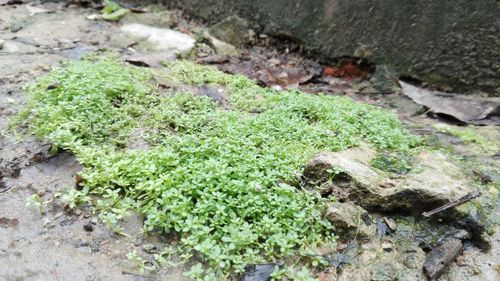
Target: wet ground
[[48, 241]]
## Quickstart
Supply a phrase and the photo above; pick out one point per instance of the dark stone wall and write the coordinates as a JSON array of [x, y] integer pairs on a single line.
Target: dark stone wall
[[453, 44]]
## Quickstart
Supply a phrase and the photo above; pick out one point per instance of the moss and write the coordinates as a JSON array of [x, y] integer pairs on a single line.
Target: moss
[[215, 176], [395, 162], [470, 135]]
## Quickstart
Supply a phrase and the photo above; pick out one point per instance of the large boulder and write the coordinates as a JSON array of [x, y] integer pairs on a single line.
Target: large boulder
[[346, 176], [450, 43]]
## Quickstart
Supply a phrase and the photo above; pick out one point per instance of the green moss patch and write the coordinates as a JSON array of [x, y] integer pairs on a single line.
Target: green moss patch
[[222, 179]]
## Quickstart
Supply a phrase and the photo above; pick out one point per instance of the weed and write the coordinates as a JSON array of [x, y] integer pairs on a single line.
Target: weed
[[469, 135], [216, 177], [142, 264], [393, 162]]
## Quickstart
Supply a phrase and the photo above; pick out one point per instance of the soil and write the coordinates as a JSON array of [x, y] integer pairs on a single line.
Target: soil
[[52, 242]]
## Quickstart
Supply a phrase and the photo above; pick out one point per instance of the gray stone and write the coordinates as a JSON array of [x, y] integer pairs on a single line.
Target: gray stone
[[391, 224], [132, 223], [149, 248], [348, 220], [15, 27], [385, 260], [383, 272], [436, 184], [162, 19], [385, 81], [440, 257], [233, 30], [259, 272], [449, 43], [220, 47], [160, 39]]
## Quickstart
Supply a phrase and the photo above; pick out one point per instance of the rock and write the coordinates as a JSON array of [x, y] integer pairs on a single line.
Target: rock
[[10, 2], [442, 256], [385, 260], [382, 228], [406, 106], [216, 94], [132, 223], [151, 60], [348, 220], [233, 30], [383, 271], [149, 248], [2, 43], [220, 47], [15, 27], [259, 272], [437, 183], [391, 224], [79, 51], [354, 177], [160, 38], [385, 81], [161, 19]]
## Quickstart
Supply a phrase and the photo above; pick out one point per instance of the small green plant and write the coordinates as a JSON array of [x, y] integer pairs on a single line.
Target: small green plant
[[164, 258], [196, 272], [218, 178], [393, 162], [303, 275], [469, 135], [112, 11], [35, 201], [142, 264]]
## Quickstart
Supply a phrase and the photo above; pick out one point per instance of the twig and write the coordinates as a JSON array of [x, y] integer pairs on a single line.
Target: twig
[[134, 273], [459, 201]]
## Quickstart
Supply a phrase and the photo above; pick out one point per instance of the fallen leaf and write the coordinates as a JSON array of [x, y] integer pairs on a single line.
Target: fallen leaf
[[116, 15], [284, 78], [473, 110], [348, 69]]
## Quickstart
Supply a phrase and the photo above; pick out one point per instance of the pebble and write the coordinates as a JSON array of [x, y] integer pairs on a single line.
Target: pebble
[[48, 223], [149, 248], [2, 43], [390, 223], [15, 27]]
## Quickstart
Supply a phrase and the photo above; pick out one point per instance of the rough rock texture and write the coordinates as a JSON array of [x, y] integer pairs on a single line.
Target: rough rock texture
[[233, 30], [449, 43], [160, 38], [440, 257], [220, 47], [437, 183], [348, 220], [384, 260]]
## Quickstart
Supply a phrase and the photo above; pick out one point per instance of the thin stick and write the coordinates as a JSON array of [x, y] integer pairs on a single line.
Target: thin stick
[[459, 201]]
